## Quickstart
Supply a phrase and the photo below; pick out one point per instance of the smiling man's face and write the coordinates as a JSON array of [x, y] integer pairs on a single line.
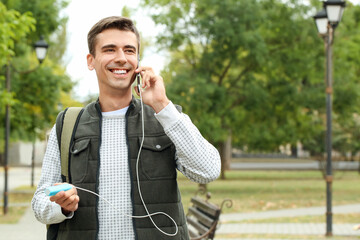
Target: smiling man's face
[[115, 60]]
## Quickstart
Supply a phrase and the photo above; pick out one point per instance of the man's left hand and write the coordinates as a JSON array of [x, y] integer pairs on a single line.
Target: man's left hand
[[152, 89]]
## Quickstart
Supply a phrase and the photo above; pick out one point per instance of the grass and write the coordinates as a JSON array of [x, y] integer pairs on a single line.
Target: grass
[[353, 218], [276, 160], [256, 191], [253, 191], [18, 196]]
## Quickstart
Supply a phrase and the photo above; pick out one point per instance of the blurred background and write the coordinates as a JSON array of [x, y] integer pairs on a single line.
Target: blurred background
[[249, 73], [252, 75]]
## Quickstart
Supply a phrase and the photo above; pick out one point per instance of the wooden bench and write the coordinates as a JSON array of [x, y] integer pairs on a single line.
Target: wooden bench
[[203, 217]]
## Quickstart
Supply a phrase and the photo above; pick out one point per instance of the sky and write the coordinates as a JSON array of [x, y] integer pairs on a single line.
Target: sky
[[83, 14]]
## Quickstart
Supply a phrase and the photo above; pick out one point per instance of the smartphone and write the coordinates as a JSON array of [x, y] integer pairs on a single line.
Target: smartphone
[[138, 82]]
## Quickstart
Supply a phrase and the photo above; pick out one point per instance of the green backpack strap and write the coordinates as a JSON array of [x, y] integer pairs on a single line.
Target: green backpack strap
[[66, 123]]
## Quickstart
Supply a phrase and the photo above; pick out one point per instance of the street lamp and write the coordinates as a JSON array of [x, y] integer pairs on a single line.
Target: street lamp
[[326, 21], [334, 10], [40, 49], [321, 22]]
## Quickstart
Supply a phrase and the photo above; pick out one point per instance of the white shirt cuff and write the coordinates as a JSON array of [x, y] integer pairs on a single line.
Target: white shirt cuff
[[168, 116], [59, 215]]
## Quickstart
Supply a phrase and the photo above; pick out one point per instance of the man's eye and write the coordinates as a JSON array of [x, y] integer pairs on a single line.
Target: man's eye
[[130, 51], [109, 50]]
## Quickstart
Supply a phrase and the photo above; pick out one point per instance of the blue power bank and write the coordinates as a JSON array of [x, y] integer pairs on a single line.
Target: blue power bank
[[53, 190]]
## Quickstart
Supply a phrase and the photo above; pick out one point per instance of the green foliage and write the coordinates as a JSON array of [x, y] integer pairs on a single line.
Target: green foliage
[[37, 91], [346, 84], [126, 12], [256, 69], [39, 100], [46, 13], [144, 42], [13, 27]]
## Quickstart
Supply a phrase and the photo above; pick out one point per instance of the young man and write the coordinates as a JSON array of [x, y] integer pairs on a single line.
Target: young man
[[103, 156]]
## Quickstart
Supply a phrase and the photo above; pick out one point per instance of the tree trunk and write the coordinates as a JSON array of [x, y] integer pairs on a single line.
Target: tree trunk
[[294, 150], [225, 155]]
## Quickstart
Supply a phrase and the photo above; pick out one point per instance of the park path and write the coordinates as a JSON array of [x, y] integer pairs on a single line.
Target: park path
[[29, 228], [229, 225]]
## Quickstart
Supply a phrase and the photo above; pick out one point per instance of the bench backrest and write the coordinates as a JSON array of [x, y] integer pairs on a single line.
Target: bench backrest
[[202, 219]]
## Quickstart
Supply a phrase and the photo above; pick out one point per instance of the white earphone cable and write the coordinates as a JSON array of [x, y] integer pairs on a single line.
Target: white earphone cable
[[138, 184], [138, 180]]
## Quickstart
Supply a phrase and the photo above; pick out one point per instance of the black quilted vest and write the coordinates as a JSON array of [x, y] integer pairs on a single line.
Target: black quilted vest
[[157, 174]]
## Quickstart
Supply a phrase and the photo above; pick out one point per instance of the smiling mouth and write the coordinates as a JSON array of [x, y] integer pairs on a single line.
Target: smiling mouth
[[119, 71]]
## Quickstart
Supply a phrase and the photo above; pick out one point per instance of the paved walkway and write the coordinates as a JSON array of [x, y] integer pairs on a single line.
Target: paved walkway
[[29, 228], [228, 227], [317, 229], [18, 176], [297, 212]]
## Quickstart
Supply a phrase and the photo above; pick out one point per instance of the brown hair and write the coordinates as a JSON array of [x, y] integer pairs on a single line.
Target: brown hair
[[121, 23]]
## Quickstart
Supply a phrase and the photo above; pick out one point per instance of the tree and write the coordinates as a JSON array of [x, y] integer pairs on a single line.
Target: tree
[[254, 70], [346, 90], [346, 85], [238, 67], [210, 60], [13, 27], [37, 95]]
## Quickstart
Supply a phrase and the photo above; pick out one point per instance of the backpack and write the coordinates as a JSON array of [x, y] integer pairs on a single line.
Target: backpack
[[66, 125]]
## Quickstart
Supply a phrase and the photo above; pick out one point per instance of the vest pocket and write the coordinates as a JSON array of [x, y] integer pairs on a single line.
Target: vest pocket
[[79, 159], [157, 159]]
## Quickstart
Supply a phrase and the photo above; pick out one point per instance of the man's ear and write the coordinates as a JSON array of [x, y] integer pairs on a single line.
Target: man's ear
[[90, 60]]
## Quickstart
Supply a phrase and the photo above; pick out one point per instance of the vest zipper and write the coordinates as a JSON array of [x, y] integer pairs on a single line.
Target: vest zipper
[[129, 163], [98, 171]]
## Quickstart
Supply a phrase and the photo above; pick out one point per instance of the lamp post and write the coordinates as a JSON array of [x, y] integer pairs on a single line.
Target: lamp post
[[40, 49], [326, 21]]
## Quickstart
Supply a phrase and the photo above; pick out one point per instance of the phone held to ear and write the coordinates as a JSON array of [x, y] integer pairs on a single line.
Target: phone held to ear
[[138, 82]]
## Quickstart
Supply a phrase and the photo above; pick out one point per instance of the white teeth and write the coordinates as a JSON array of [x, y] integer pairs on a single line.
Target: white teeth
[[122, 71]]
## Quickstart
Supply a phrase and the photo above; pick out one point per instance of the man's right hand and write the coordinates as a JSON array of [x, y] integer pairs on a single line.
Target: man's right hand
[[68, 200]]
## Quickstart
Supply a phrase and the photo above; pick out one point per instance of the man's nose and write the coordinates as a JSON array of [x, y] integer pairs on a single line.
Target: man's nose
[[120, 57]]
